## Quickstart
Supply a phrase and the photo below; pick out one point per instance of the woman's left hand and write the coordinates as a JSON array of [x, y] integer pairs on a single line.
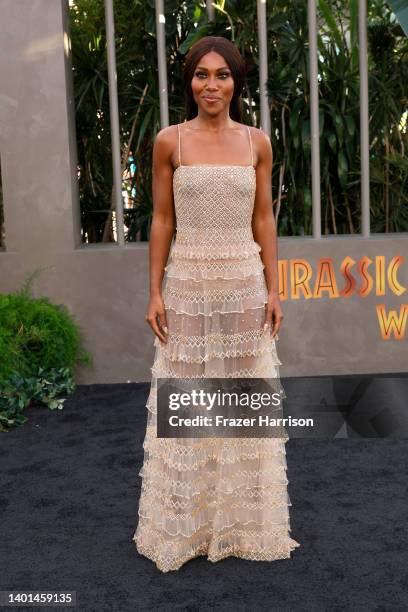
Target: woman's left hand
[[273, 315]]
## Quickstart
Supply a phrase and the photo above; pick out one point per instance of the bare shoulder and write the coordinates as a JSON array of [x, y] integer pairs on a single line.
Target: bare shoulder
[[261, 145], [165, 143], [260, 138], [166, 136]]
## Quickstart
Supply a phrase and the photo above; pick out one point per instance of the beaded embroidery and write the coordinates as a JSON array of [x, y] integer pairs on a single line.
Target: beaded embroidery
[[215, 497]]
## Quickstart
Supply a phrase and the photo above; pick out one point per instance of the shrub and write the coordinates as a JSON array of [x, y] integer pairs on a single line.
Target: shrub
[[40, 345]]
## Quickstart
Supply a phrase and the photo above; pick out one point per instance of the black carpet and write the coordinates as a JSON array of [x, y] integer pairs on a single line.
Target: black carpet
[[69, 497]]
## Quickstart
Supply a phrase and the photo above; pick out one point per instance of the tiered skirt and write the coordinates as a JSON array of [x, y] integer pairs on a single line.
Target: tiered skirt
[[217, 497]]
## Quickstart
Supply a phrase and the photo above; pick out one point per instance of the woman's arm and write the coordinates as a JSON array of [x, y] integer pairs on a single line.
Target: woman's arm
[[264, 228], [162, 228]]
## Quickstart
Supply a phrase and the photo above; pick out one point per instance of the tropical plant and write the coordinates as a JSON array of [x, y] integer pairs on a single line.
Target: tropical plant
[[288, 87]]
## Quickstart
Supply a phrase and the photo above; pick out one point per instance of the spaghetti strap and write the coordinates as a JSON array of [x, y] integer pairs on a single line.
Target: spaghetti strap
[[250, 144], [179, 149], [191, 490]]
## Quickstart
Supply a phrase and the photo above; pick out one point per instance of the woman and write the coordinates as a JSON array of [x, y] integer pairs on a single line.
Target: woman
[[218, 316]]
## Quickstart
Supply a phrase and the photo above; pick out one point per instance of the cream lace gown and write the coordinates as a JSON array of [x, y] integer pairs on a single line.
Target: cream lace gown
[[213, 496]]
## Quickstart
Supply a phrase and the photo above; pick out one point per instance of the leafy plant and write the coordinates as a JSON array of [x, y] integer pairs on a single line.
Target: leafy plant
[[40, 345], [46, 388], [288, 87]]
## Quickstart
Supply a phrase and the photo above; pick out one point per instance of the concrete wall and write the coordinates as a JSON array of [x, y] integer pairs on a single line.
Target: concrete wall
[[106, 287]]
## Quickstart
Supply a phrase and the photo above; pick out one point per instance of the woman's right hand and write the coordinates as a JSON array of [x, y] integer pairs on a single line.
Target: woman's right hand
[[156, 317]]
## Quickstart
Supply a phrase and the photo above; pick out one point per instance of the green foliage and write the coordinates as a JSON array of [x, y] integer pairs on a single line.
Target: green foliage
[[288, 87], [40, 344], [45, 388]]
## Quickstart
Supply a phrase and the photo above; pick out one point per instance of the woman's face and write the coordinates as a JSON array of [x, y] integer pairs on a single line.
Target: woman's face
[[212, 84]]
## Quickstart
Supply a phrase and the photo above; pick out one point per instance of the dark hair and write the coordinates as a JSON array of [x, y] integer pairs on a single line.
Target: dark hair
[[235, 61]]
